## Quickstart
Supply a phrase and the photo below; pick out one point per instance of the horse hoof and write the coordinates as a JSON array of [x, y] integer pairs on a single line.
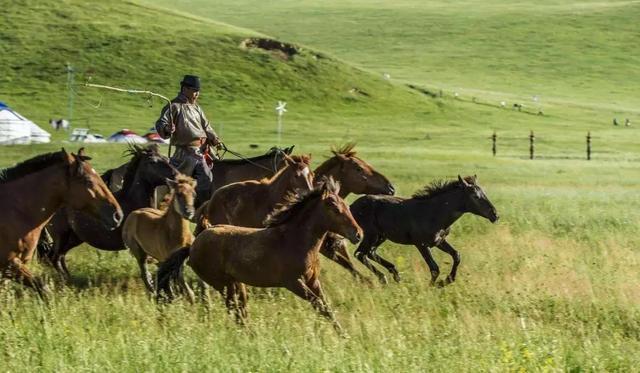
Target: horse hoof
[[383, 280], [396, 277]]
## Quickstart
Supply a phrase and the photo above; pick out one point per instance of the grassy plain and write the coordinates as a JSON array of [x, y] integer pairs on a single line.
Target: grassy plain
[[552, 286]]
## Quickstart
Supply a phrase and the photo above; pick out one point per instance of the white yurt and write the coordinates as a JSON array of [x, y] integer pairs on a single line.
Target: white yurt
[[16, 129]]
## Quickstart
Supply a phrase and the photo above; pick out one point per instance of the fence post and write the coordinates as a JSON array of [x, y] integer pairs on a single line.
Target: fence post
[[589, 146], [532, 139], [494, 137]]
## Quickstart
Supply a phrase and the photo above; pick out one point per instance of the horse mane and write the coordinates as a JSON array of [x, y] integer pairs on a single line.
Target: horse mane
[[137, 152], [184, 179], [344, 150], [439, 187], [295, 202], [31, 165], [302, 158]]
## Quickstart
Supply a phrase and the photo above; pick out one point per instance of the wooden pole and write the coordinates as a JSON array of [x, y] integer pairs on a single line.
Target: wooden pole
[[532, 139], [589, 146], [494, 138]]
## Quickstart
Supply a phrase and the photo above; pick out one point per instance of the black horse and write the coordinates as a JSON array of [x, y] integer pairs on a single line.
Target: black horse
[[69, 228], [423, 220]]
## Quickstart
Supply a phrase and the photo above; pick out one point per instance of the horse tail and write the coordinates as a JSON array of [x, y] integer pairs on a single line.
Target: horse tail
[[170, 269]]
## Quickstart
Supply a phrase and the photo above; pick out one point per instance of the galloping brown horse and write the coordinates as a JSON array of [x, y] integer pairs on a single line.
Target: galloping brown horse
[[284, 254], [70, 227], [151, 232], [355, 176], [32, 191], [247, 203]]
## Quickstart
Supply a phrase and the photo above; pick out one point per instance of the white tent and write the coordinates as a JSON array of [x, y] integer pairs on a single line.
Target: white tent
[[16, 129]]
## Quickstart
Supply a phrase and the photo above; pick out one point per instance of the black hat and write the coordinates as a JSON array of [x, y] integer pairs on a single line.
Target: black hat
[[191, 81]]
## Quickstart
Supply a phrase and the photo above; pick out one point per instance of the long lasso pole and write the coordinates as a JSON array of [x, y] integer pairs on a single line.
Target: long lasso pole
[[138, 91]]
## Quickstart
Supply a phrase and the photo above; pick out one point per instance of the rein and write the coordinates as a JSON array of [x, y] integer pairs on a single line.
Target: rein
[[227, 150]]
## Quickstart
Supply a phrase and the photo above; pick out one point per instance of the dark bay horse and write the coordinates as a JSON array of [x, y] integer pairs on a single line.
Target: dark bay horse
[[32, 191], [284, 254], [70, 227], [247, 203], [149, 232], [423, 220], [355, 176], [229, 171]]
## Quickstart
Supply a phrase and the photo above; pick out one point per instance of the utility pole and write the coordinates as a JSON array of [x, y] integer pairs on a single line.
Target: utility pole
[[70, 73]]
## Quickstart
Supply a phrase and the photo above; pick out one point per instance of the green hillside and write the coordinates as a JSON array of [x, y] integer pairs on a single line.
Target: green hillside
[[123, 44], [577, 53]]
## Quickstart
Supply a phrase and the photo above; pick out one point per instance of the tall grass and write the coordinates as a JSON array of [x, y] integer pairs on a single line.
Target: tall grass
[[552, 286]]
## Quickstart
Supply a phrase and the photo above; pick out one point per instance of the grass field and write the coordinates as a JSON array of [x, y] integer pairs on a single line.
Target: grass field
[[552, 286]]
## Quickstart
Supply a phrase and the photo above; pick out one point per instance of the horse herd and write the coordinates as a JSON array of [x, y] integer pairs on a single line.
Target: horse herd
[[265, 224]]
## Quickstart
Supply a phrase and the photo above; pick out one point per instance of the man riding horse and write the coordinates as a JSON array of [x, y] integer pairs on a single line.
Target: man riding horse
[[191, 134]]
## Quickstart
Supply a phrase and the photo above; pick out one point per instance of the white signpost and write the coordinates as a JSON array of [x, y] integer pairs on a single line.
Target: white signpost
[[280, 109]]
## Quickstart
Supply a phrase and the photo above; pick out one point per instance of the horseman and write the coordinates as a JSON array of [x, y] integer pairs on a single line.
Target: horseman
[[191, 134]]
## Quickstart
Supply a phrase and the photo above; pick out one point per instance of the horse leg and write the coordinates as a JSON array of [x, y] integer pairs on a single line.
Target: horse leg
[[242, 300], [362, 252], [232, 302], [335, 249], [386, 264], [455, 255], [311, 291], [16, 270], [433, 266], [141, 258], [67, 241], [57, 256], [184, 287]]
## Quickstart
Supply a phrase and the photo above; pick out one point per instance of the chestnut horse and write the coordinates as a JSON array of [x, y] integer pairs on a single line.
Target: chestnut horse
[[32, 191], [156, 233], [355, 176], [247, 203], [70, 227], [423, 220], [284, 254]]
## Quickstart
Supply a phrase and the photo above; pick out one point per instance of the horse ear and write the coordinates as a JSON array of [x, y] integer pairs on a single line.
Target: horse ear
[[289, 150], [82, 155], [475, 179], [462, 181], [288, 160]]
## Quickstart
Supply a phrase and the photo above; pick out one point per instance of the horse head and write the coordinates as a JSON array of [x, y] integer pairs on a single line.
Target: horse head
[[148, 167], [87, 191], [476, 201], [298, 166], [338, 214], [183, 189], [357, 176]]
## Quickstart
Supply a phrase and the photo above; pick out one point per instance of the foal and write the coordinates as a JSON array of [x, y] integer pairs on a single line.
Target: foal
[[157, 233], [284, 254], [423, 221]]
